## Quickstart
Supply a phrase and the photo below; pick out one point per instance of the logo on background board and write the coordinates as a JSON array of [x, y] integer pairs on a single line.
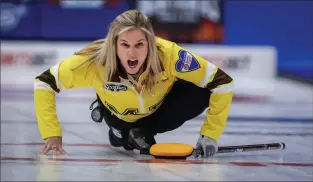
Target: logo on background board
[[186, 62], [115, 88], [84, 4], [28, 58], [11, 15]]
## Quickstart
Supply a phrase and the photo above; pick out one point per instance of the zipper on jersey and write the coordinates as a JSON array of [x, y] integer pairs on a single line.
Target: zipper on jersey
[[139, 94], [142, 106], [141, 103]]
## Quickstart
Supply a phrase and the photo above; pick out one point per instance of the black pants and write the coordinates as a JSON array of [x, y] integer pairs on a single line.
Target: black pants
[[184, 102]]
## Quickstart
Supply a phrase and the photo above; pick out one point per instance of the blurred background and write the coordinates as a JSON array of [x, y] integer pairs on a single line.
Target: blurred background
[[267, 46]]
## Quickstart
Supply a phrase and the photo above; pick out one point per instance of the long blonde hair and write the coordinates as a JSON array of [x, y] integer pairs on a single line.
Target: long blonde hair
[[103, 51]]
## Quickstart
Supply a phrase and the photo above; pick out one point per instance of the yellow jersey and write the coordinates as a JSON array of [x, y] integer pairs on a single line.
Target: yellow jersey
[[123, 100]]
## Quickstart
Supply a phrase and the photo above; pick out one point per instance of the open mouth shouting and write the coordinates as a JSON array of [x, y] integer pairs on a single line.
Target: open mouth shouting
[[132, 63]]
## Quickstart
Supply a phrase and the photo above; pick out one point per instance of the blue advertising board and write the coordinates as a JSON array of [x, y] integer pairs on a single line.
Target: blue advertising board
[[51, 20], [286, 25]]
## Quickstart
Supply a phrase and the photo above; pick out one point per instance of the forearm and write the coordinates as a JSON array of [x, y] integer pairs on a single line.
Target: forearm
[[45, 108], [217, 114]]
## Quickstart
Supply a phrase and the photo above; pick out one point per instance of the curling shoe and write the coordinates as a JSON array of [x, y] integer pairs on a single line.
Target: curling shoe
[[141, 139], [114, 141]]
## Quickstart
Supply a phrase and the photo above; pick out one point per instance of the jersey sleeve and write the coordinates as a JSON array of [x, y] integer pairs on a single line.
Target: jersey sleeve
[[56, 79], [191, 67]]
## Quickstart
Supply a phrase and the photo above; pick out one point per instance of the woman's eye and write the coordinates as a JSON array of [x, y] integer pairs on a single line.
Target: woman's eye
[[139, 44], [125, 45]]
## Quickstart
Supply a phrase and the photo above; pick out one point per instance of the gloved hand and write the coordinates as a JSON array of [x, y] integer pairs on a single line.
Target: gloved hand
[[208, 146]]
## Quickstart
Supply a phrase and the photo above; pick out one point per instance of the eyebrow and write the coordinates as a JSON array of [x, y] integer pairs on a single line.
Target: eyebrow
[[126, 41]]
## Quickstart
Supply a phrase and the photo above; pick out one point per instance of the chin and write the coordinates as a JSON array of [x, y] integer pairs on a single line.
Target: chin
[[133, 72]]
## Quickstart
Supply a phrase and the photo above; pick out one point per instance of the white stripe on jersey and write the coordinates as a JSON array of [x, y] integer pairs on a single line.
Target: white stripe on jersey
[[210, 72], [42, 85], [55, 71]]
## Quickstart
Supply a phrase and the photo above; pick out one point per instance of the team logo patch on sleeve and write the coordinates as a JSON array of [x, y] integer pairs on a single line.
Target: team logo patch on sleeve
[[186, 62]]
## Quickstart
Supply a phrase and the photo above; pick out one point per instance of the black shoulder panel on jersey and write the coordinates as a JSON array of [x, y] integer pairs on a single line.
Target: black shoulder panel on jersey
[[220, 78], [48, 78]]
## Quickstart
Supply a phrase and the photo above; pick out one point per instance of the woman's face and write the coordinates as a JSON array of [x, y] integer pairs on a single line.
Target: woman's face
[[132, 50]]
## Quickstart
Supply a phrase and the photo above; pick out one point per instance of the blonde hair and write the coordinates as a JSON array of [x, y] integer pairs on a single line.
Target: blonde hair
[[103, 51]]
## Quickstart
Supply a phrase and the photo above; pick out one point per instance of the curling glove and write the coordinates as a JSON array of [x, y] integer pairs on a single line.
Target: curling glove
[[207, 145]]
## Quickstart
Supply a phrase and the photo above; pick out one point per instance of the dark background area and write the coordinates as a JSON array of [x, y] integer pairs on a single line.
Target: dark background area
[[286, 25]]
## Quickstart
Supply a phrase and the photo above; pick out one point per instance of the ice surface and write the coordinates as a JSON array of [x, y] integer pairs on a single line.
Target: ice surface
[[91, 159]]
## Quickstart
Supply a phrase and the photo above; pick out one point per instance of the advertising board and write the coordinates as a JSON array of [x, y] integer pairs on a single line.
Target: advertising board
[[251, 67]]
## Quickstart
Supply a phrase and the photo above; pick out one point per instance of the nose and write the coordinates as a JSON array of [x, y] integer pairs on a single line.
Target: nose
[[132, 52]]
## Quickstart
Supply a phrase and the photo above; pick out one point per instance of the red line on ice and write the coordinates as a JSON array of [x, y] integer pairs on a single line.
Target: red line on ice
[[254, 164], [162, 161]]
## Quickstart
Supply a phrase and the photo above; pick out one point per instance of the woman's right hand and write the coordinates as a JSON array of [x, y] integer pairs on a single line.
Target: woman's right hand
[[53, 144]]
